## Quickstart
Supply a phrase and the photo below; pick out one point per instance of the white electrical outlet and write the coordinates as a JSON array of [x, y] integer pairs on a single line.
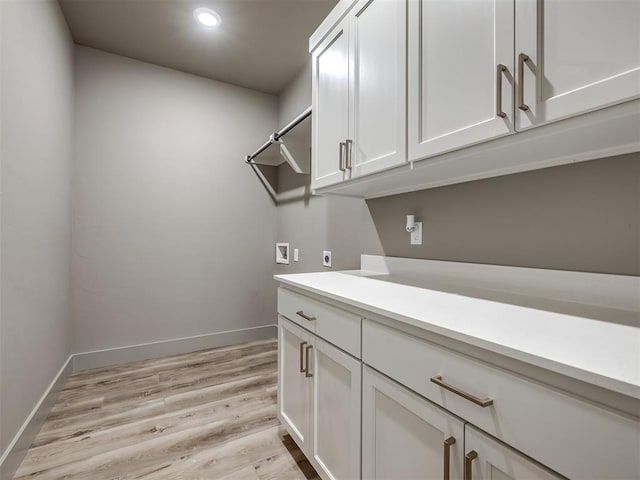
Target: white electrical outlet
[[416, 234], [326, 258], [295, 255]]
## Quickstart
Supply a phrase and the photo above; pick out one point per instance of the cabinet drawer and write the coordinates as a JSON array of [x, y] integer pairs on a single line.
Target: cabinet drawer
[[570, 436], [331, 323]]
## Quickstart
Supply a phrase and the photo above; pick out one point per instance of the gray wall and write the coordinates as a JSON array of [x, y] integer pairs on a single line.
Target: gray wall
[[313, 223], [36, 149], [583, 217], [173, 236]]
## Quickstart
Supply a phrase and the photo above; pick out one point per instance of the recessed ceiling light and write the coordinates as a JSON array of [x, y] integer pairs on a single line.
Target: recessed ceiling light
[[207, 17]]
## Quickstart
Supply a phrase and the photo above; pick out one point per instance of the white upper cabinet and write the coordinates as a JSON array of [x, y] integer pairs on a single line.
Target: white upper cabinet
[[460, 74], [330, 107], [359, 93], [378, 104], [461, 83], [574, 56]]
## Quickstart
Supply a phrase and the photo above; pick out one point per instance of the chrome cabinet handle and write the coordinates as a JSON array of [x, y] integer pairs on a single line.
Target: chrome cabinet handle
[[342, 161], [468, 467], [482, 402], [499, 71], [522, 58], [301, 313], [348, 144], [447, 456], [306, 372], [302, 344]]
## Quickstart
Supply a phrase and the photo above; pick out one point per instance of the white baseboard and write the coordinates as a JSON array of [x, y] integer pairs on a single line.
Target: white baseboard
[[133, 353], [17, 449]]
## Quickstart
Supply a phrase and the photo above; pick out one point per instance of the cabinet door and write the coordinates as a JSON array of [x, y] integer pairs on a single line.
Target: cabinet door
[[459, 92], [582, 55], [488, 459], [336, 412], [294, 388], [378, 86], [331, 107], [405, 437]]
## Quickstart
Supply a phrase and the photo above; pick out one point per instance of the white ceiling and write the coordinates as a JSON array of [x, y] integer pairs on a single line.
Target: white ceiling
[[261, 44]]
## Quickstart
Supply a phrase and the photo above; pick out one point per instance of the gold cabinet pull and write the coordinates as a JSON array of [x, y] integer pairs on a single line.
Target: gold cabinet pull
[[468, 467], [306, 372], [348, 147], [301, 313], [302, 344], [522, 58], [499, 72], [483, 402], [447, 456], [342, 162]]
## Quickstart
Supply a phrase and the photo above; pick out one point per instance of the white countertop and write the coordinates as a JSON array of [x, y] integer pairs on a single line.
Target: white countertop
[[595, 343]]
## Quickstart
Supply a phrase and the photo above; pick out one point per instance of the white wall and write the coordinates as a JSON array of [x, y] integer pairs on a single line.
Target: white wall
[[36, 150], [173, 233]]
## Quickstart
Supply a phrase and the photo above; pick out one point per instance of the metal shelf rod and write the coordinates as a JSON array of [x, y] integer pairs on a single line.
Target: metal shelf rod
[[280, 133]]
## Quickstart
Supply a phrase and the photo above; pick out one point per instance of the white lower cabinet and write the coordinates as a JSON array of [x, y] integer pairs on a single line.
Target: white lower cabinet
[[294, 387], [336, 412], [412, 408], [405, 437], [319, 401], [487, 459]]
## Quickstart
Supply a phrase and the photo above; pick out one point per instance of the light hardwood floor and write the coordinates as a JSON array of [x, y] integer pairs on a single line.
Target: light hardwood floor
[[204, 415]]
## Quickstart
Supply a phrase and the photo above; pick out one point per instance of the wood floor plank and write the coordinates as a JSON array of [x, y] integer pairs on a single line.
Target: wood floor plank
[[135, 432], [149, 391], [153, 376], [146, 367], [184, 384], [223, 459], [108, 379], [114, 415], [245, 473], [288, 465], [206, 415], [148, 454]]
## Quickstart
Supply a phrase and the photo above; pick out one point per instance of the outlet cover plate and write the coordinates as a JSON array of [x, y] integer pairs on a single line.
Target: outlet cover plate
[[326, 258], [282, 253], [416, 235]]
